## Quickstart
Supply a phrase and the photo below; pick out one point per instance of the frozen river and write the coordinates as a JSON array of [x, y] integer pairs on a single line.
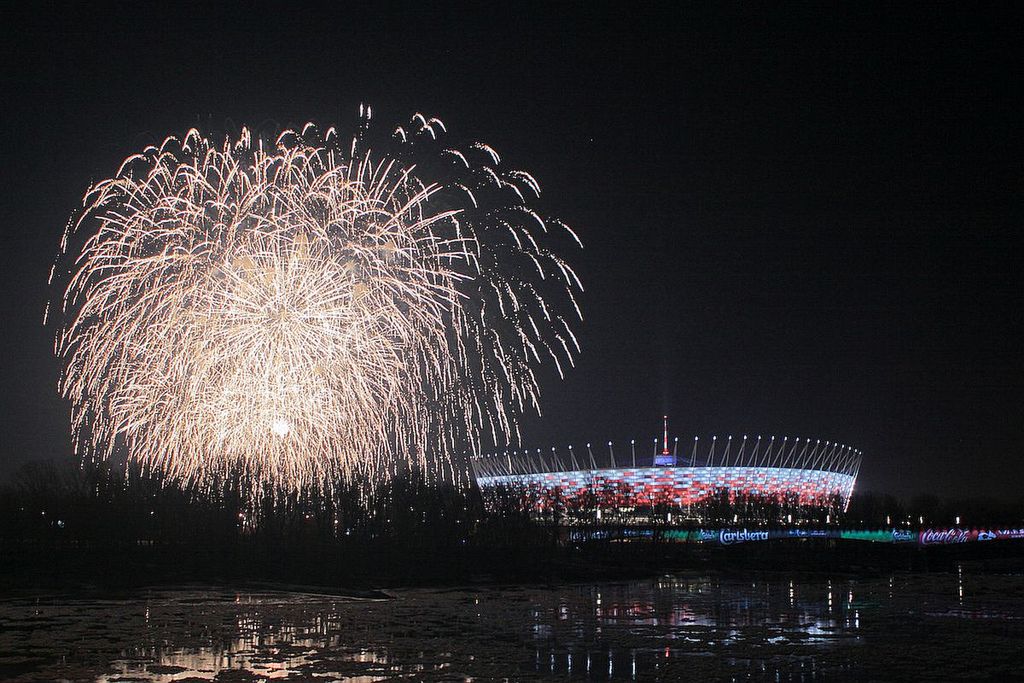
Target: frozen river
[[935, 626]]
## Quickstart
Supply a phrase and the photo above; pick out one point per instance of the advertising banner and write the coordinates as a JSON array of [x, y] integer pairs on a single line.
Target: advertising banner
[[947, 536], [880, 535], [727, 536], [734, 536], [1000, 534], [804, 533]]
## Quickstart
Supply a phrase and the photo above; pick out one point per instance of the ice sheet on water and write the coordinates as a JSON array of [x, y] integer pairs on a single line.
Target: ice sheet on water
[[693, 626]]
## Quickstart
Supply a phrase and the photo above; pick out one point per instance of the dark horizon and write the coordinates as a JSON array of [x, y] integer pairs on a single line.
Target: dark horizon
[[797, 220]]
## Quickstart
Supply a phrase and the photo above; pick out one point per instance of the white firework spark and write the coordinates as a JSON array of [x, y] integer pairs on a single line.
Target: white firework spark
[[304, 310]]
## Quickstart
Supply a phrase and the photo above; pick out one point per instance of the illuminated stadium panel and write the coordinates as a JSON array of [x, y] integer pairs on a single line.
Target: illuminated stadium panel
[[680, 485]]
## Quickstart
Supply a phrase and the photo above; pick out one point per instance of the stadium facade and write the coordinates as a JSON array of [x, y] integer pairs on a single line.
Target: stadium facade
[[800, 470]]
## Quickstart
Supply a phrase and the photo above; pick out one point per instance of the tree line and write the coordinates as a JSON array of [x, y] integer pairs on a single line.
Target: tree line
[[99, 504]]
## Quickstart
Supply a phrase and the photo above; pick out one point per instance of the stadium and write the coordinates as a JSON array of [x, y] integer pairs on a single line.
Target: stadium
[[801, 471]]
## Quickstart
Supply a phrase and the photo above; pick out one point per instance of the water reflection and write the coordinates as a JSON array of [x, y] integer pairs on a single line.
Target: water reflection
[[693, 627], [695, 616]]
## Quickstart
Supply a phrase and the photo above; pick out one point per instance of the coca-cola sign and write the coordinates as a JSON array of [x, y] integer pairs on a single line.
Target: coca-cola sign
[[945, 536]]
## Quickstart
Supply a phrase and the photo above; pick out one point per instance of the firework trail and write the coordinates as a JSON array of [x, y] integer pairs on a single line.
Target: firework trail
[[308, 308]]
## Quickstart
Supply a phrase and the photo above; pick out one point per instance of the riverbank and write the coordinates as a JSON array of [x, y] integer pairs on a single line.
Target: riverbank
[[370, 566]]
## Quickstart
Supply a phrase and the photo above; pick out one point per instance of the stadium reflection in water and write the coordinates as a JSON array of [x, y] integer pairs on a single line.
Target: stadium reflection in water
[[779, 628]]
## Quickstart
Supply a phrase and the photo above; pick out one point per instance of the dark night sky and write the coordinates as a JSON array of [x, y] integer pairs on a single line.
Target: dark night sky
[[799, 218]]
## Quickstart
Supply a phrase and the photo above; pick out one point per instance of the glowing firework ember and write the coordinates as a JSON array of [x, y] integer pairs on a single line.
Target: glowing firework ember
[[308, 309]]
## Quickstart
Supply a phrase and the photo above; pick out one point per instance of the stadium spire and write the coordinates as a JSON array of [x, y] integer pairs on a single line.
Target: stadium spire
[[664, 449]]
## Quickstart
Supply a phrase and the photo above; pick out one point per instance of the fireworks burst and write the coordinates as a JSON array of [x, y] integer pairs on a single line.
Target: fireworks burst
[[309, 309]]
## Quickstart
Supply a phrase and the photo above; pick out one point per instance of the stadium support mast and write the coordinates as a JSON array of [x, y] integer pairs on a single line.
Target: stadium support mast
[[666, 458]]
